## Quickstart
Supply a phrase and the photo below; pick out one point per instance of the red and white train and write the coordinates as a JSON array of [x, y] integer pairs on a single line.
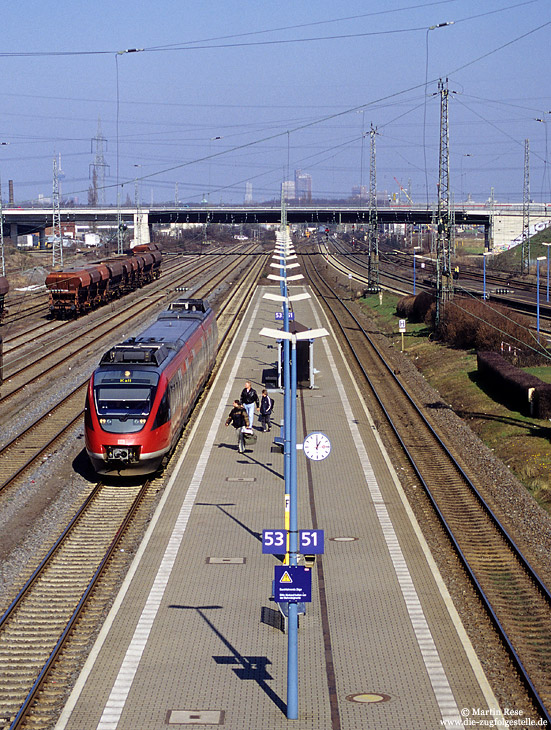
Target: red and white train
[[141, 395]]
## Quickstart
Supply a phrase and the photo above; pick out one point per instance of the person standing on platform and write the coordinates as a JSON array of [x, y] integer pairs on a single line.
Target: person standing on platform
[[238, 418], [249, 398], [266, 408]]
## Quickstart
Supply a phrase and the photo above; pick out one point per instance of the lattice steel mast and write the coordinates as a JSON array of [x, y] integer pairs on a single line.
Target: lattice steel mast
[[525, 257], [373, 240], [444, 280], [57, 238]]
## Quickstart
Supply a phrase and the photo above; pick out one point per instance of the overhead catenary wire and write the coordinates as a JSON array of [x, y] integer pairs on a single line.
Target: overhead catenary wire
[[322, 119], [192, 45], [540, 349]]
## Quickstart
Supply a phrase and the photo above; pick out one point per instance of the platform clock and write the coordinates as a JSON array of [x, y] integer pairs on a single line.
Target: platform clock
[[316, 446]]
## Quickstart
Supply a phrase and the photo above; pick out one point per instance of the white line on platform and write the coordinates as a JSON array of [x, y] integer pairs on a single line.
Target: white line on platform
[[437, 676], [115, 704], [446, 701]]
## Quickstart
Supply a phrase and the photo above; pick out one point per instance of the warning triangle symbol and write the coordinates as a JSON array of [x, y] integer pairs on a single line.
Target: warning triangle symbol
[[286, 578]]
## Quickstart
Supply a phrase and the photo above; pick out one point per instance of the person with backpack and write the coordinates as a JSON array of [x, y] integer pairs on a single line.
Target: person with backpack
[[238, 418], [266, 408]]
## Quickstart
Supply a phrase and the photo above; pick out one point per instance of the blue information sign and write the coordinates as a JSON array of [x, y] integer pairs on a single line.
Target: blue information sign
[[312, 542], [279, 315], [292, 584], [274, 541]]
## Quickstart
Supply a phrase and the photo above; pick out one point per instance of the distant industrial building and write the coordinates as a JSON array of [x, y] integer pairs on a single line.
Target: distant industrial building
[[248, 193], [288, 190], [303, 187], [360, 192]]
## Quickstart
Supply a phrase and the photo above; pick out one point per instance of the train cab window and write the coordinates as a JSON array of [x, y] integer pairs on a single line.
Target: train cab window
[[123, 404], [125, 398]]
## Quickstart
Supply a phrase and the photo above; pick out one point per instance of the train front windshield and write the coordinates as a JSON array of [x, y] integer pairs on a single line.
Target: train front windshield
[[124, 398]]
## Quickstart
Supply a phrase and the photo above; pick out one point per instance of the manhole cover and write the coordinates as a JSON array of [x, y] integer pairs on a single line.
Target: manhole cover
[[371, 698]]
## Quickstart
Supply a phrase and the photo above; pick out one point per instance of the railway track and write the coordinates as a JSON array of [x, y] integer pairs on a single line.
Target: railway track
[[517, 601], [36, 630], [13, 370], [36, 625], [67, 346], [22, 306], [520, 299], [34, 443], [39, 330]]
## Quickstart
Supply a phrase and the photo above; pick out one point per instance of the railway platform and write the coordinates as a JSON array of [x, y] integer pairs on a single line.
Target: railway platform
[[194, 639]]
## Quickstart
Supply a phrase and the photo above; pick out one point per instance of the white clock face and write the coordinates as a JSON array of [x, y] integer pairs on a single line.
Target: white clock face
[[316, 446]]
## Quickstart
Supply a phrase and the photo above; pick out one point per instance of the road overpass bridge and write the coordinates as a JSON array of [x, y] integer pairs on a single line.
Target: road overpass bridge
[[503, 224]]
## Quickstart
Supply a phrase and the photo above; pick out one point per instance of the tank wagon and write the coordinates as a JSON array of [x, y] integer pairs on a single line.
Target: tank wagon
[[76, 291], [4, 289], [141, 395]]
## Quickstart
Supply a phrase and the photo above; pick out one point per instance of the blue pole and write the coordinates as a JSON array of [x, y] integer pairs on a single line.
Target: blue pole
[[286, 402], [292, 663], [547, 274], [414, 272], [293, 471], [292, 646], [538, 295], [286, 396], [484, 276]]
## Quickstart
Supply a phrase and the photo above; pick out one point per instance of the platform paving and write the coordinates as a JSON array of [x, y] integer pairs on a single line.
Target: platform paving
[[194, 640]]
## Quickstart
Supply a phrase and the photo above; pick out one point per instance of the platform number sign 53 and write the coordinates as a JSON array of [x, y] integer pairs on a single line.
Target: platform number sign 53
[[274, 541]]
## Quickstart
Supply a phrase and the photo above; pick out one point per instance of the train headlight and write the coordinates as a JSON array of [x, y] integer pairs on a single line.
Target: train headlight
[[105, 421], [140, 421]]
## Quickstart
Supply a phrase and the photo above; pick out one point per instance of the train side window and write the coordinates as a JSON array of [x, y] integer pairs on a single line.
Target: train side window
[[187, 381], [180, 387], [163, 412]]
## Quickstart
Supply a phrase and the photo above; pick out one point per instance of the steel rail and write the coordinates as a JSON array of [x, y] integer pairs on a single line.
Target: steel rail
[[20, 717], [250, 284], [39, 450], [501, 529]]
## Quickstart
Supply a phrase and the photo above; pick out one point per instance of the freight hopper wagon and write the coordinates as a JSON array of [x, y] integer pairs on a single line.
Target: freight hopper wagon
[[76, 291], [144, 389]]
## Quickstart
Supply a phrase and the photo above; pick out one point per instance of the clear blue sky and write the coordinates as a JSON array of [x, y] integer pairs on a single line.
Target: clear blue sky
[[226, 69]]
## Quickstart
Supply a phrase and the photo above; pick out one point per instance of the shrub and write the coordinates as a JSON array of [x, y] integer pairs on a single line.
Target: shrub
[[404, 307], [475, 324]]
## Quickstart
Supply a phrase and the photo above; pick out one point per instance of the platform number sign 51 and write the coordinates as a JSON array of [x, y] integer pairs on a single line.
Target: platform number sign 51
[[311, 542]]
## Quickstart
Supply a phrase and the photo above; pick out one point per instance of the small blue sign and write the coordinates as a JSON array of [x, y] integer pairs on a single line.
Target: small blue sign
[[311, 542], [274, 542], [292, 584], [279, 315]]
